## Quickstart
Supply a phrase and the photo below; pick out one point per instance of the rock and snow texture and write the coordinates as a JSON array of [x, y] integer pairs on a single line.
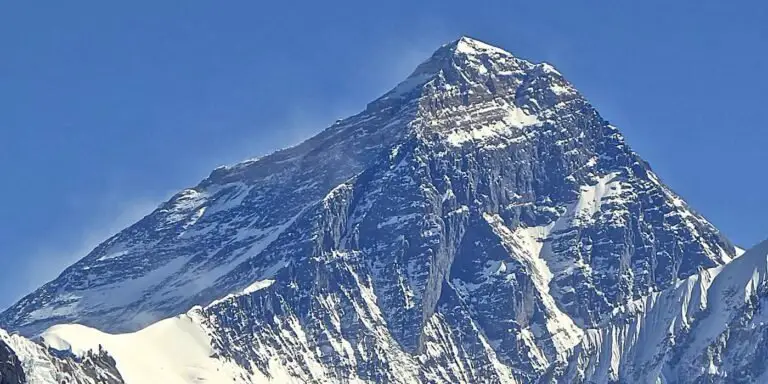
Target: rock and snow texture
[[479, 222], [709, 328], [23, 361], [11, 371]]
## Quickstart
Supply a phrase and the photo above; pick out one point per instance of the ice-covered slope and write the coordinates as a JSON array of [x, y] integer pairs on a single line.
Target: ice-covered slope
[[471, 224], [23, 361], [171, 351]]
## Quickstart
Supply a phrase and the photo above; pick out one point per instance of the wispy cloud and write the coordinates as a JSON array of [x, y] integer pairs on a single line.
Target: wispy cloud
[[378, 71], [48, 259]]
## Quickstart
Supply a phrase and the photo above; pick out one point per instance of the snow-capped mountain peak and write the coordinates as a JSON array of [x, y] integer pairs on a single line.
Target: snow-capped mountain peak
[[463, 62], [476, 223], [470, 46]]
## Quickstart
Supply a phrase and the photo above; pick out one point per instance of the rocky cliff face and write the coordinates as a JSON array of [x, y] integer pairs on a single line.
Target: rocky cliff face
[[708, 328], [11, 371], [478, 222]]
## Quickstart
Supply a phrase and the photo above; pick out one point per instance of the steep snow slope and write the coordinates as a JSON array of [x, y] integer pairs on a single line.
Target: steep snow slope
[[23, 361], [472, 224], [175, 350]]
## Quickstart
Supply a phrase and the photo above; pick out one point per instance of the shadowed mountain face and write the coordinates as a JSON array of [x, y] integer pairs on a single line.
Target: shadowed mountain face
[[11, 371], [474, 222]]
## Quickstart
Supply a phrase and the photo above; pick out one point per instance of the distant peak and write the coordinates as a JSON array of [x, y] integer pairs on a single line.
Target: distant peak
[[470, 46], [464, 53]]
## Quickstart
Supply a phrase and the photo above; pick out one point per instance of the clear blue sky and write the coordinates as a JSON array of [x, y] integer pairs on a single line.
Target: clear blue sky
[[107, 108]]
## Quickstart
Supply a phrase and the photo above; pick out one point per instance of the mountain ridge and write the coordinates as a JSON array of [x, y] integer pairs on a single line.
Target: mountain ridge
[[477, 221]]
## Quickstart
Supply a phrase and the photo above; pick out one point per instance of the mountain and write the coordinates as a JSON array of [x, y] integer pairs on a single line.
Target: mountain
[[708, 328], [479, 222]]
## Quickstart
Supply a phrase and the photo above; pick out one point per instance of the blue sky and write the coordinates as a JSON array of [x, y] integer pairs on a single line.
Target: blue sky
[[106, 109]]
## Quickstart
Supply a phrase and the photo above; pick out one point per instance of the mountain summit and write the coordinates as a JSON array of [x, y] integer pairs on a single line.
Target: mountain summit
[[472, 224]]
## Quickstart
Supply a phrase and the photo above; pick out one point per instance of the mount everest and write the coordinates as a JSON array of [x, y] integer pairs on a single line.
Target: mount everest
[[480, 222]]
